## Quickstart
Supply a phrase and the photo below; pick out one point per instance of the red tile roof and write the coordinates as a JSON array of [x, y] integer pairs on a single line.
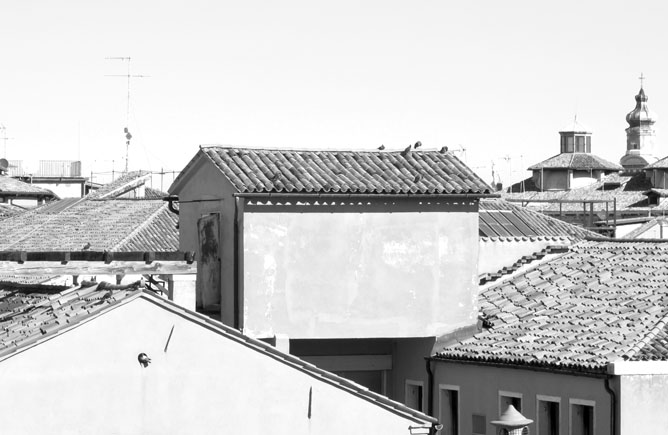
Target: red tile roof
[[346, 172], [579, 161], [499, 218], [112, 225], [599, 303], [29, 316]]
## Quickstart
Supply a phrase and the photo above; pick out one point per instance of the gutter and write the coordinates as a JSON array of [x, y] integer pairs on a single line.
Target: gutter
[[171, 200], [593, 373], [365, 195]]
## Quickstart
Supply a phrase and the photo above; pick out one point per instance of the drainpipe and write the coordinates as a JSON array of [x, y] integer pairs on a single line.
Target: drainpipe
[[613, 406], [171, 200], [430, 387]]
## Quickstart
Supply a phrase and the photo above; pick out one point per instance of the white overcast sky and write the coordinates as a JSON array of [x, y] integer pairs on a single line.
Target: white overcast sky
[[498, 78]]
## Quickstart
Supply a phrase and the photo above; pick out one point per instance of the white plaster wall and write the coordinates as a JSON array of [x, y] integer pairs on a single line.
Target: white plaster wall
[[88, 381], [643, 401], [494, 255], [347, 275], [63, 190]]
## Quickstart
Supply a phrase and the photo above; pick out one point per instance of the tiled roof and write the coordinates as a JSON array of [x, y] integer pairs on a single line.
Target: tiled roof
[[581, 161], [627, 190], [151, 193], [31, 315], [660, 164], [499, 218], [346, 172], [10, 185], [106, 225], [158, 233], [7, 210], [601, 302], [121, 185]]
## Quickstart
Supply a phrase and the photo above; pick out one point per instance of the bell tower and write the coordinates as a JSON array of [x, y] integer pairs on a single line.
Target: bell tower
[[640, 134]]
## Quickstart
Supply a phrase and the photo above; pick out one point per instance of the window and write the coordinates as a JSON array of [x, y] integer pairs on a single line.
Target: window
[[588, 144], [579, 144], [478, 424], [509, 398], [414, 396], [448, 400], [569, 144], [582, 417], [547, 415]]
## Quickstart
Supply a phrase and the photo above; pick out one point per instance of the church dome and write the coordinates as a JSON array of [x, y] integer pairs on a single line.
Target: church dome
[[641, 114]]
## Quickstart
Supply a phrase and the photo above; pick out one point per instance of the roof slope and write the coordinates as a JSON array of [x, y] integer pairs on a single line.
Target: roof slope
[[347, 172], [113, 225], [581, 161], [499, 218], [31, 315], [659, 164], [629, 192], [599, 303], [121, 185], [9, 185]]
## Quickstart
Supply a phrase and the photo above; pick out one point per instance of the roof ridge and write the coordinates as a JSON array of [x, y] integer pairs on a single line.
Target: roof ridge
[[523, 261], [324, 150], [649, 336], [140, 227]]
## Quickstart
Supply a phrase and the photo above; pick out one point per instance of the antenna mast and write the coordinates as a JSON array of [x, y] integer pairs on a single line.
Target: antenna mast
[[4, 138], [126, 130]]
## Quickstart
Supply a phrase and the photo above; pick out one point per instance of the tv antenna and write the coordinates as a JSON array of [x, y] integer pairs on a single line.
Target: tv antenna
[[126, 130], [4, 138]]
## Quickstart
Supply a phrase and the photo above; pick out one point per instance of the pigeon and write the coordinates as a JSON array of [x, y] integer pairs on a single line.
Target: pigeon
[[417, 178], [443, 150], [417, 145], [143, 359], [381, 148], [406, 151], [86, 247]]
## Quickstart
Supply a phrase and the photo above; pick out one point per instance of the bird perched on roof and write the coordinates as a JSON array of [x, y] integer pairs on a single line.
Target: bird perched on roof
[[381, 148], [86, 247], [143, 359], [417, 145], [406, 151], [443, 150], [417, 178]]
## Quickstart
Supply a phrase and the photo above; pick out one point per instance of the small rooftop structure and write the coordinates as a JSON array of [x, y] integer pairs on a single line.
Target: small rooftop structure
[[274, 171]]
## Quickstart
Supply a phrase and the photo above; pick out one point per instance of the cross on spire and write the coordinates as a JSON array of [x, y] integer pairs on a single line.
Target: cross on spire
[[642, 79]]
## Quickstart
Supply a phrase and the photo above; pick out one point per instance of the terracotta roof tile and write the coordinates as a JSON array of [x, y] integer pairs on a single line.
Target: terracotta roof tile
[[353, 172], [146, 225], [581, 161], [606, 311], [501, 218], [12, 185]]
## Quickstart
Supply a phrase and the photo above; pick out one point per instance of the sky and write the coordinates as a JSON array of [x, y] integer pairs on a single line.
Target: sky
[[494, 81]]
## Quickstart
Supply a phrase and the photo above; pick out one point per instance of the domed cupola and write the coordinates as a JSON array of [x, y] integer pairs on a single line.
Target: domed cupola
[[640, 134], [641, 115]]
